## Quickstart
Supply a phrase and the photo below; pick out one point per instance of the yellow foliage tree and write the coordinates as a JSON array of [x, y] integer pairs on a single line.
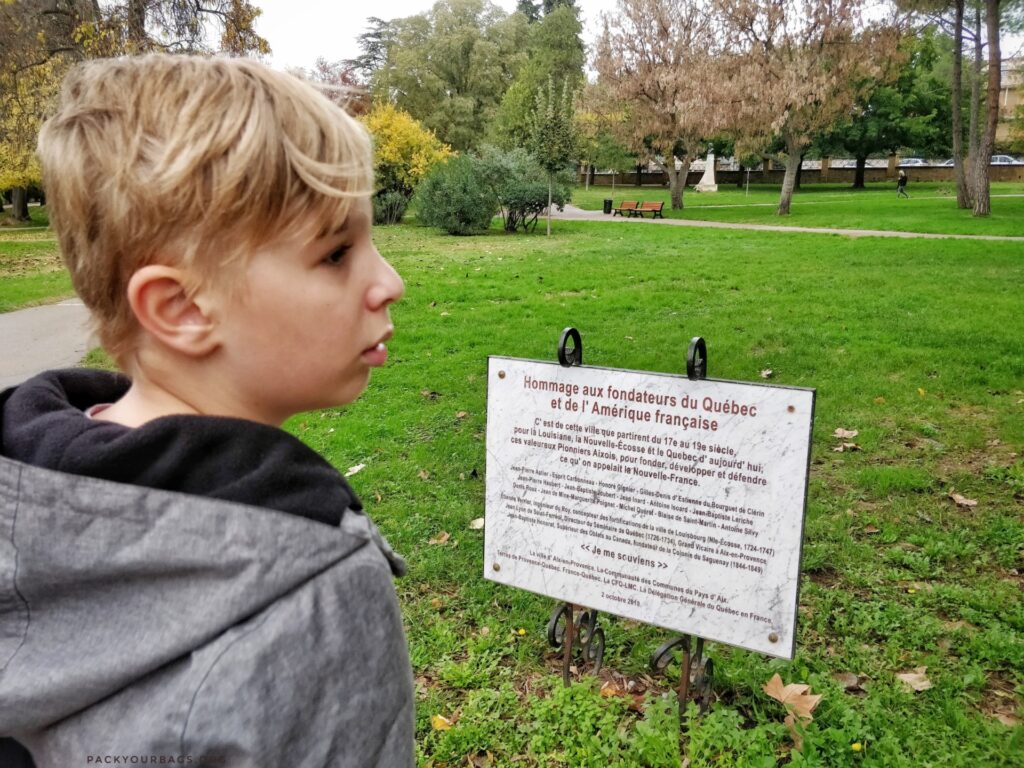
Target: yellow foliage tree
[[403, 150]]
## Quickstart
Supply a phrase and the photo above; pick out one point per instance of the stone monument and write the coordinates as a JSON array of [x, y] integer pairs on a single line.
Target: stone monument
[[707, 181]]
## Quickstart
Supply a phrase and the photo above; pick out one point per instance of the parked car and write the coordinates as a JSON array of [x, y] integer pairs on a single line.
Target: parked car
[[947, 163], [1003, 160], [911, 161]]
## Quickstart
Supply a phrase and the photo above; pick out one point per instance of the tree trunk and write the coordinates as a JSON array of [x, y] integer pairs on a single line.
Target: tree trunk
[[676, 179], [591, 171], [789, 180], [800, 171], [639, 174], [19, 204], [549, 205], [739, 178], [972, 128], [982, 201], [586, 177], [963, 195], [858, 173], [137, 25]]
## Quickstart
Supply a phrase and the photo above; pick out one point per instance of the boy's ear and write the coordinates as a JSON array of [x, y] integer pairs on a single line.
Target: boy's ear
[[160, 301]]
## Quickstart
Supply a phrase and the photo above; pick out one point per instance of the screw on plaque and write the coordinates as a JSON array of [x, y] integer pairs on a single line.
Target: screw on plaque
[[569, 357], [697, 359]]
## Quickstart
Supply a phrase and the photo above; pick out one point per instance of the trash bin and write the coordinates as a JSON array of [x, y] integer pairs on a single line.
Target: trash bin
[[607, 206]]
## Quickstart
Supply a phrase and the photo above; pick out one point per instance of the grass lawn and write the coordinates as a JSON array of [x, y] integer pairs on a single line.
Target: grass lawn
[[916, 344], [31, 270], [931, 207]]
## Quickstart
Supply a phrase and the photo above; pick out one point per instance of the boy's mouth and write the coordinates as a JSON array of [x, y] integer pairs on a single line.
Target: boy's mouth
[[377, 354]]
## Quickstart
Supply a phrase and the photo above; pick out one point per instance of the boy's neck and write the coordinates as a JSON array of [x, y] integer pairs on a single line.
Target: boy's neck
[[143, 403]]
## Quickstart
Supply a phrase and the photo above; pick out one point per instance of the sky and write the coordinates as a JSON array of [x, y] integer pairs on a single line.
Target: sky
[[299, 31]]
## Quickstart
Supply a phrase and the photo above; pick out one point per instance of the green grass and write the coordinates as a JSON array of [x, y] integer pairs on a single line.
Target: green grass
[[914, 343], [31, 271], [932, 207]]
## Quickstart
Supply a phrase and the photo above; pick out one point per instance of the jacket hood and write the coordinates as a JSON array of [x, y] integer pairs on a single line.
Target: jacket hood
[[103, 583]]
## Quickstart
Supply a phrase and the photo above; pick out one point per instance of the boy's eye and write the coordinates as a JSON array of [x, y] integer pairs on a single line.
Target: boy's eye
[[336, 256]]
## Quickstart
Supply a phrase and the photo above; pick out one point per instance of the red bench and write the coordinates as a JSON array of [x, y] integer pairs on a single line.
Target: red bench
[[626, 207]]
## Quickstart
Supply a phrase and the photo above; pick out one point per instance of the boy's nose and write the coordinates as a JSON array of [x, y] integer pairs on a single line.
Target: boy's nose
[[388, 286]]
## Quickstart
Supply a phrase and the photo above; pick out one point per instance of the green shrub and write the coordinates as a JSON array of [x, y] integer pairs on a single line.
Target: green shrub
[[389, 207], [525, 201], [519, 185], [454, 198]]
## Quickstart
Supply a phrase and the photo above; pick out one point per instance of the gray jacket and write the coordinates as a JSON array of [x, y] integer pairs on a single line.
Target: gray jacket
[[140, 627]]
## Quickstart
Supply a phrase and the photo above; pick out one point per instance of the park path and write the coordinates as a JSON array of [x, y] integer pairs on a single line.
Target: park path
[[572, 213], [39, 338]]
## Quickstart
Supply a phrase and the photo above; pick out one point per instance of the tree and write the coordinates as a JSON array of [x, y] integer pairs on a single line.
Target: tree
[[659, 57], [982, 198], [905, 108], [554, 50], [450, 67], [552, 139], [337, 81], [404, 151], [806, 64]]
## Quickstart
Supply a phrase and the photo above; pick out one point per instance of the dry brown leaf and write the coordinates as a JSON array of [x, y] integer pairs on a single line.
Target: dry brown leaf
[[611, 688], [794, 734], [871, 529], [846, 447], [477, 524], [441, 538], [767, 373], [435, 602], [423, 474], [879, 401], [353, 470], [848, 680], [440, 723], [461, 415], [962, 501], [916, 679], [485, 760], [1010, 721], [485, 631], [845, 434], [795, 696]]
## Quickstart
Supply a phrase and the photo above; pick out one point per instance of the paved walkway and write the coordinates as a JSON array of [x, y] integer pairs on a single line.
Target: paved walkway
[[572, 213], [39, 338]]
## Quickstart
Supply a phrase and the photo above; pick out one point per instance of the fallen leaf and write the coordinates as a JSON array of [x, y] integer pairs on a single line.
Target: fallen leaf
[[962, 501], [611, 688], [378, 497], [423, 474], [441, 538], [476, 524], [795, 696], [1010, 721], [440, 723], [352, 470], [871, 529], [879, 401], [429, 393], [445, 314], [485, 631], [848, 680], [767, 373], [915, 680], [461, 415], [845, 434], [920, 392], [435, 603], [846, 447], [480, 761]]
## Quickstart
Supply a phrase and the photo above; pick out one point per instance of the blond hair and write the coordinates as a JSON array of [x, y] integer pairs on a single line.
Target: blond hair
[[193, 162]]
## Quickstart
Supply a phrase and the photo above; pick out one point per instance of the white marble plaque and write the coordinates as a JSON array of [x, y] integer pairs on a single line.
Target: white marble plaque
[[674, 502]]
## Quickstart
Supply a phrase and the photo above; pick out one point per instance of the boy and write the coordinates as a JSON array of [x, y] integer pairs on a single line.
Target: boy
[[901, 185], [181, 581]]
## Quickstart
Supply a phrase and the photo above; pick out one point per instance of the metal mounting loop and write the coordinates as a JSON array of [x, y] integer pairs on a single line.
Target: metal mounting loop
[[697, 359], [569, 357]]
